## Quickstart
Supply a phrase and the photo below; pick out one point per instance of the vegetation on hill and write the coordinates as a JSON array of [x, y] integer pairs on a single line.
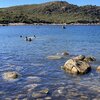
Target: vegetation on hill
[[51, 12]]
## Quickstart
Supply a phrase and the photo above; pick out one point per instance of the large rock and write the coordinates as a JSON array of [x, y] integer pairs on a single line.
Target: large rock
[[10, 75], [76, 66]]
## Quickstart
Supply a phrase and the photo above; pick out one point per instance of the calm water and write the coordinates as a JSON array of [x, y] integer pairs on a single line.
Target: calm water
[[37, 72]]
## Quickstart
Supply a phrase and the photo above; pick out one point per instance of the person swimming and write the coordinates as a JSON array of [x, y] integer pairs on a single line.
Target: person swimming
[[21, 36], [34, 36], [26, 38]]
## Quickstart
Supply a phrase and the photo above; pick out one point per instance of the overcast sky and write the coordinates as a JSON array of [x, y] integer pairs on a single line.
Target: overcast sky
[[7, 3]]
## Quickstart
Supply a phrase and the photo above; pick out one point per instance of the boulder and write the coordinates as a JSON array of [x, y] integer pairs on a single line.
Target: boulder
[[10, 75], [98, 68], [76, 66]]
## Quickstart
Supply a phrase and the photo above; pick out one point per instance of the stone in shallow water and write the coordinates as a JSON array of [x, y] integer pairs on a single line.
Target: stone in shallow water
[[89, 59], [47, 98], [30, 87], [80, 57], [38, 95], [37, 64], [7, 99], [10, 75], [1, 92], [54, 57], [65, 53], [98, 68], [46, 91], [39, 99], [76, 66]]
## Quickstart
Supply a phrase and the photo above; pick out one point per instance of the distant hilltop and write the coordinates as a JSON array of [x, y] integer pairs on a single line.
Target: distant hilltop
[[58, 12]]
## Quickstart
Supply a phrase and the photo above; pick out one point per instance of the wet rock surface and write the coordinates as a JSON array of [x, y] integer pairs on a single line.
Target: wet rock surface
[[98, 69], [54, 57], [84, 58], [10, 75], [41, 94], [89, 59], [76, 66], [80, 57]]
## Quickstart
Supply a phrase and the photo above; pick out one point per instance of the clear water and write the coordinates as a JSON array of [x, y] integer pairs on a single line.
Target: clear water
[[29, 60]]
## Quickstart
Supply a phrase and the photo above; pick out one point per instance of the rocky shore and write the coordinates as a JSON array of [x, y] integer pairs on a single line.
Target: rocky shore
[[21, 24]]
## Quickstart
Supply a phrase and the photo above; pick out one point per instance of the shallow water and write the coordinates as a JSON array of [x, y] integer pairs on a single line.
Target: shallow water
[[37, 72]]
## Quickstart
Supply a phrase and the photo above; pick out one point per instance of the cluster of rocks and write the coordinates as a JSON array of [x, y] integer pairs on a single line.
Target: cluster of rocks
[[79, 65], [76, 65]]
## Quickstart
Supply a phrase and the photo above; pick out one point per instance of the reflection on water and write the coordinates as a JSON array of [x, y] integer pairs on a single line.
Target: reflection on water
[[39, 73]]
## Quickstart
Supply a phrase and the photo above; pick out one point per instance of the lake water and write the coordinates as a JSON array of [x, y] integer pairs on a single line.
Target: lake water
[[37, 72]]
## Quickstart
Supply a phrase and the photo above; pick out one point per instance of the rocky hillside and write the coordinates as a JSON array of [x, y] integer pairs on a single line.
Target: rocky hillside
[[51, 12]]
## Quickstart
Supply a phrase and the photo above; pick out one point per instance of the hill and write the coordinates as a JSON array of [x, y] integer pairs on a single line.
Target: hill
[[51, 12]]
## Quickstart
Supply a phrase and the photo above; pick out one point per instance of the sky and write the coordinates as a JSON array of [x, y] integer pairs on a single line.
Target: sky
[[8, 3]]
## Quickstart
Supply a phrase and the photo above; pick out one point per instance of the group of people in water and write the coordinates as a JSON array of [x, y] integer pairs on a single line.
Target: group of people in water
[[28, 38]]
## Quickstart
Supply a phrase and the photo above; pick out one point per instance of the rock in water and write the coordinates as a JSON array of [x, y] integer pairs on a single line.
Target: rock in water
[[89, 59], [80, 57], [76, 66], [10, 75], [65, 54], [98, 68], [54, 57]]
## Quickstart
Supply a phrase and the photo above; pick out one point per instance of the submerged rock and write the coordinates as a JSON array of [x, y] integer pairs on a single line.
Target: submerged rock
[[98, 68], [47, 98], [40, 94], [34, 79], [46, 91], [10, 75], [76, 66], [54, 57]]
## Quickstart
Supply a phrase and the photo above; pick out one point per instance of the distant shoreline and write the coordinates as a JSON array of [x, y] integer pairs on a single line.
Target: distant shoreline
[[21, 24]]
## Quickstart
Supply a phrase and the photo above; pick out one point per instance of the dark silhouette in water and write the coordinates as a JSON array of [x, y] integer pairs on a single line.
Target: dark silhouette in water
[[26, 38], [21, 36], [29, 39], [63, 27], [34, 36]]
